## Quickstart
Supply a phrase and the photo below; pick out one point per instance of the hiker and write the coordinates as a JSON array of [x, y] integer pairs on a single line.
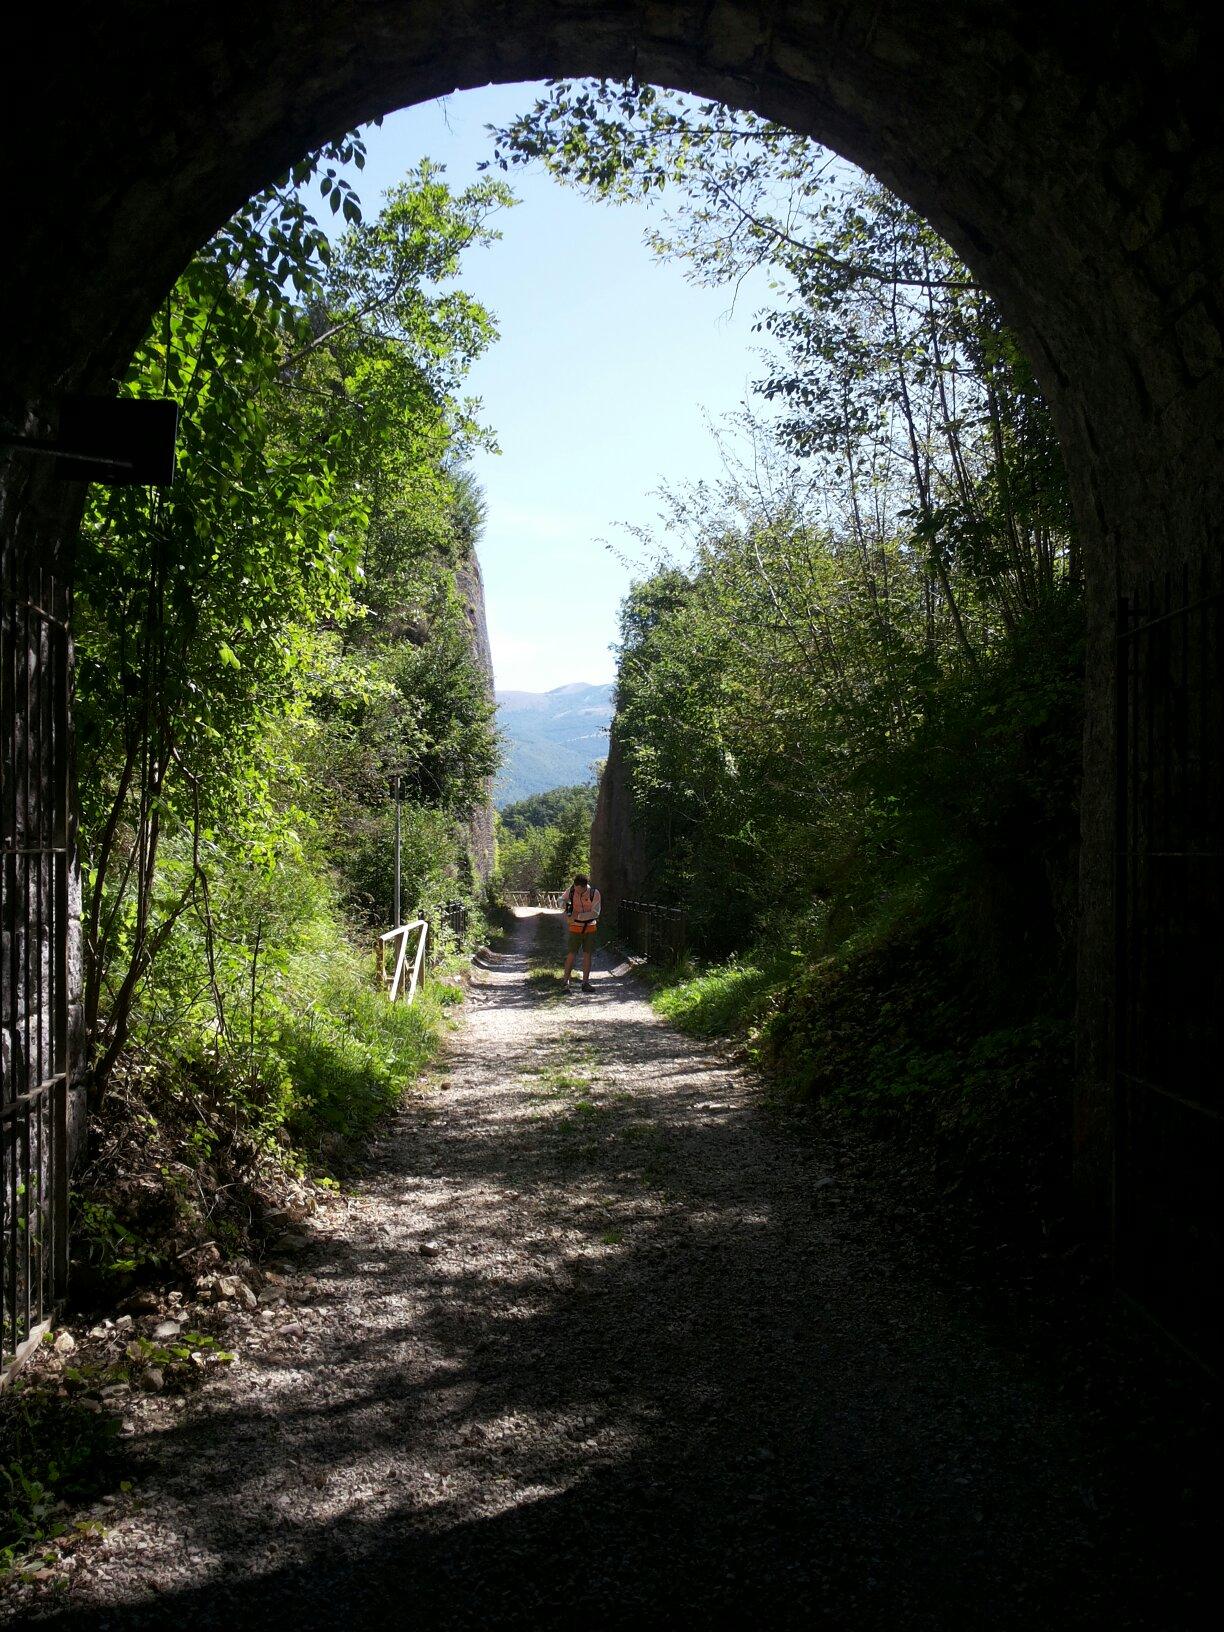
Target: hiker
[[581, 907]]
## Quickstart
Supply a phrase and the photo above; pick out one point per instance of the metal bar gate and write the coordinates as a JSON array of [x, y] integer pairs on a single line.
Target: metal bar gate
[[450, 931], [34, 909], [1169, 1036]]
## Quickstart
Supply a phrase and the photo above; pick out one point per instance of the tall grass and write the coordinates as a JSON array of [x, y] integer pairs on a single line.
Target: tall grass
[[725, 998], [349, 1055]]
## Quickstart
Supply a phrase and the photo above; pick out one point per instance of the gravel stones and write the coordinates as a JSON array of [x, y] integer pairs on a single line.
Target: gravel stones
[[595, 1346]]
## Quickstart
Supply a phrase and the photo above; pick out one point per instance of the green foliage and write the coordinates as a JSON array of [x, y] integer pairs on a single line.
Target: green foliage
[[58, 1447], [900, 1033], [849, 695], [551, 809], [545, 858], [350, 1055], [257, 646], [52, 1453], [105, 1243], [718, 1001], [178, 1351], [902, 1030], [778, 799], [856, 690], [422, 707], [896, 377], [261, 642], [543, 841], [274, 1025]]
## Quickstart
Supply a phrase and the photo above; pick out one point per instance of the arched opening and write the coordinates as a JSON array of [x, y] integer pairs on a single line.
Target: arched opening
[[1071, 164]]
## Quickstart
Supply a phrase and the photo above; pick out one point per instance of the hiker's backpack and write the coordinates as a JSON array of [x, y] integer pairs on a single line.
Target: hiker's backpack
[[567, 905]]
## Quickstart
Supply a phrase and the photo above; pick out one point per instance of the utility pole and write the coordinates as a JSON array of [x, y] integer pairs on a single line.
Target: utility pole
[[396, 795]]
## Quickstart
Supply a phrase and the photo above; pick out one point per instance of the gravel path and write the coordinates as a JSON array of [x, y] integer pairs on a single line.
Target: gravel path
[[597, 1344]]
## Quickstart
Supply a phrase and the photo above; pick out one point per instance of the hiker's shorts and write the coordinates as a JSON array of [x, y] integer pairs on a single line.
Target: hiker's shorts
[[583, 935]]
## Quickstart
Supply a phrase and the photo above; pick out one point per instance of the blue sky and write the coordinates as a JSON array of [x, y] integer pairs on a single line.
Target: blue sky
[[598, 390]]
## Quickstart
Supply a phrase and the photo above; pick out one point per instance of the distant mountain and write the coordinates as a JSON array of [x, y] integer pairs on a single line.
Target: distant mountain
[[550, 738]]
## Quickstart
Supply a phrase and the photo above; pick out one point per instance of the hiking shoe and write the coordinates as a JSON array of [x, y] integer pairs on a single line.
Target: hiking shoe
[[587, 987]]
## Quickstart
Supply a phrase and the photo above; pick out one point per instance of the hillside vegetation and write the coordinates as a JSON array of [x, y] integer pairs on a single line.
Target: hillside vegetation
[[258, 647], [550, 738], [849, 694], [543, 841], [547, 809]]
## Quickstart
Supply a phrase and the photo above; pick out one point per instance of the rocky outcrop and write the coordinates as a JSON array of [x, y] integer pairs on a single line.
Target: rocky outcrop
[[618, 849], [470, 585]]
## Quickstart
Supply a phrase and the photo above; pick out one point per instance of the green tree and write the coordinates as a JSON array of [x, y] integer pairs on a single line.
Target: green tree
[[314, 500], [896, 532], [901, 390], [547, 809]]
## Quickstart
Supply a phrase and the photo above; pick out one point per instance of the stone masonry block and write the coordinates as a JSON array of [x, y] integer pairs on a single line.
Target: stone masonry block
[[1200, 341]]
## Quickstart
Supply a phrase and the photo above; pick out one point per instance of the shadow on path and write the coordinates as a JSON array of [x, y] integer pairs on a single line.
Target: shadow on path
[[598, 1346]]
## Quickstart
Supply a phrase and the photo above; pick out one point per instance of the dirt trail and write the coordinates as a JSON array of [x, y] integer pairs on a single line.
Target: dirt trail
[[597, 1345]]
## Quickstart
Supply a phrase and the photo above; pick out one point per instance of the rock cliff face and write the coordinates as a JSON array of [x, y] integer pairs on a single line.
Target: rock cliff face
[[470, 585], [618, 852]]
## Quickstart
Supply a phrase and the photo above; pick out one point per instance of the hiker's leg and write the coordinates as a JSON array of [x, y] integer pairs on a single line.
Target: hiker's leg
[[588, 946], [569, 963]]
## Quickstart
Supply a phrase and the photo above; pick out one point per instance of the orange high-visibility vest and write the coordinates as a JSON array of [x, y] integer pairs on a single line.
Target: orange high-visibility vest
[[582, 906]]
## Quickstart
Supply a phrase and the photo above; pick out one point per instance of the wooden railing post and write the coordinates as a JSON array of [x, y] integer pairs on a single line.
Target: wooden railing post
[[402, 933]]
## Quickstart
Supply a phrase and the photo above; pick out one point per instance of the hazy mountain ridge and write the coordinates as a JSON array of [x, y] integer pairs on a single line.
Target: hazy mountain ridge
[[551, 738]]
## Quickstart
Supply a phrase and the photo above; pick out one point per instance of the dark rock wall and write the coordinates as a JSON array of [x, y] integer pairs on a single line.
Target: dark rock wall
[[618, 852], [470, 584]]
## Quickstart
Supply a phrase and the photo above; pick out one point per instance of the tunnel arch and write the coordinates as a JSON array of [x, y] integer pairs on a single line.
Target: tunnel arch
[[1072, 154], [1046, 144]]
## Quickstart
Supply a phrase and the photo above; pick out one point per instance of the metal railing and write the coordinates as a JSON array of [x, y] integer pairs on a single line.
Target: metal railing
[[549, 900], [454, 917], [400, 979], [450, 926], [657, 933]]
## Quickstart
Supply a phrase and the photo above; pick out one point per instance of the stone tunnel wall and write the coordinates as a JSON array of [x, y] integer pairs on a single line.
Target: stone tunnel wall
[[1072, 154]]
